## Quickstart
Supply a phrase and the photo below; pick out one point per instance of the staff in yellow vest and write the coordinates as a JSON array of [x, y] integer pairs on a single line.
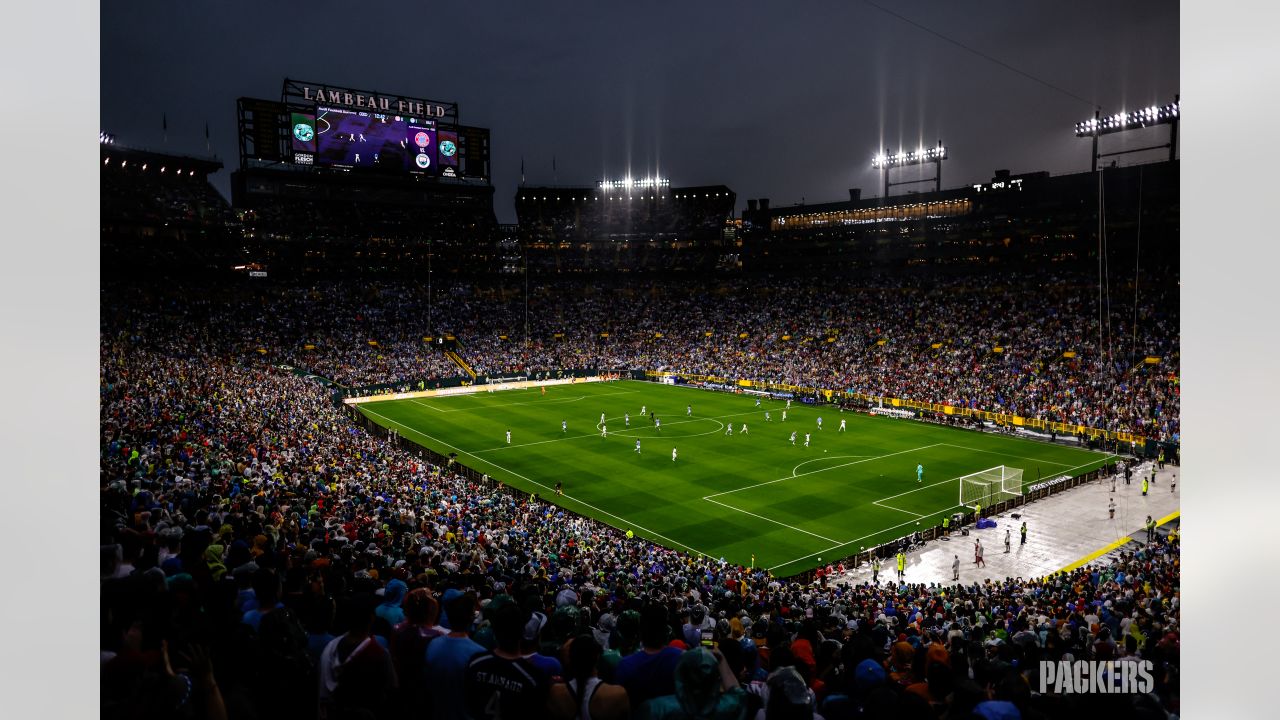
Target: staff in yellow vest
[[1144, 486], [902, 564]]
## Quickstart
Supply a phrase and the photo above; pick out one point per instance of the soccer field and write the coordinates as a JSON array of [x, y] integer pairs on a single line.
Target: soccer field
[[724, 496]]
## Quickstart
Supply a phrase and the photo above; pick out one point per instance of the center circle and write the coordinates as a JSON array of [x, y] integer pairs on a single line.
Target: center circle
[[650, 432]]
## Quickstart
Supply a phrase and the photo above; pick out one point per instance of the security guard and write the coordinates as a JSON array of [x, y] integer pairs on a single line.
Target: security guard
[[1144, 486], [946, 526], [902, 564], [875, 570]]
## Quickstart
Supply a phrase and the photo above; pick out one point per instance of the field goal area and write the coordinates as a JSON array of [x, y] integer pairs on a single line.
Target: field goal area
[[990, 486], [505, 383]]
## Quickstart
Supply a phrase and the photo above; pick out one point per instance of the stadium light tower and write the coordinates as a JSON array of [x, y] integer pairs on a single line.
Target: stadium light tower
[[922, 155], [1126, 121]]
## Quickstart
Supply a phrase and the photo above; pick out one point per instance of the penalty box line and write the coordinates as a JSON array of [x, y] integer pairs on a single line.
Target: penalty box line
[[895, 527], [535, 482], [1020, 457], [769, 519], [814, 472], [711, 498]]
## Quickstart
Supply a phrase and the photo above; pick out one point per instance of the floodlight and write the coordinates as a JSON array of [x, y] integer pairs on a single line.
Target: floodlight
[[1121, 121]]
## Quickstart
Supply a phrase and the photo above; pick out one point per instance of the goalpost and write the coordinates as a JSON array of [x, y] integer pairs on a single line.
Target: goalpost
[[505, 383], [990, 486]]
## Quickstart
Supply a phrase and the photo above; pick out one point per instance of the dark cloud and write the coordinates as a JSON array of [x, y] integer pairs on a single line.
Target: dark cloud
[[780, 100]]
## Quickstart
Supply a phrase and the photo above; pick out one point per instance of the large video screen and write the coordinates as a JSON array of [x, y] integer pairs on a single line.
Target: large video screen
[[354, 139]]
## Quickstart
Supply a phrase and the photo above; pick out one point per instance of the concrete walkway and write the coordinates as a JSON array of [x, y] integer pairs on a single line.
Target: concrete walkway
[[1061, 529]]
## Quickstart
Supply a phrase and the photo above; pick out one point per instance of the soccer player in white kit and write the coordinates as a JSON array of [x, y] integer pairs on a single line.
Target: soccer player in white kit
[[788, 403], [766, 416], [673, 454], [601, 418], [784, 416], [841, 424], [744, 429], [637, 446], [819, 422], [688, 411], [604, 431], [806, 439], [642, 409], [657, 423], [793, 437], [728, 429], [508, 437], [757, 401], [564, 426], [626, 419]]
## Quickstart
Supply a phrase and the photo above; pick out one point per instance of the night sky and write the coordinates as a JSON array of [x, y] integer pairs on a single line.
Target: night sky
[[778, 100]]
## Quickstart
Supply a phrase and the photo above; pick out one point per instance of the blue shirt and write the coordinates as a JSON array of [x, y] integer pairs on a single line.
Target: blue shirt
[[253, 617], [648, 676], [447, 659], [546, 664], [391, 613]]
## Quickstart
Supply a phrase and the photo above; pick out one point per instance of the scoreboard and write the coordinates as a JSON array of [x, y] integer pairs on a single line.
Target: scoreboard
[[327, 128]]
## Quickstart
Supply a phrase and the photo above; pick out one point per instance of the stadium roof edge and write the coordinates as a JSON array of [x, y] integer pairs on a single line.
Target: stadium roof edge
[[953, 193], [203, 163]]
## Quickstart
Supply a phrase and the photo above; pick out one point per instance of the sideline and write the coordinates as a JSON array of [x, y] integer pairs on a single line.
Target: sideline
[[1112, 546]]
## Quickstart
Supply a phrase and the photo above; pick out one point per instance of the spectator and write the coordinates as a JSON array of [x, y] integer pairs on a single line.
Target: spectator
[[356, 673], [501, 683], [706, 689], [650, 671], [584, 696], [409, 643], [448, 656]]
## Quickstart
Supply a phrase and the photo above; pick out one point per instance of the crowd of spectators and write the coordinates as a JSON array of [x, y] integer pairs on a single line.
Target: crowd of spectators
[[264, 556], [960, 341]]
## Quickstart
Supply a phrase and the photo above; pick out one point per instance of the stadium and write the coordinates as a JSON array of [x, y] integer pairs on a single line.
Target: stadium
[[365, 447]]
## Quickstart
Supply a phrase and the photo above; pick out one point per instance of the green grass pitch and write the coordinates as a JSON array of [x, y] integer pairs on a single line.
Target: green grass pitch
[[724, 496]]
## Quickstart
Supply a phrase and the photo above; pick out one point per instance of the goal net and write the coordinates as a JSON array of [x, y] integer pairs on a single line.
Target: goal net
[[505, 383], [990, 486]]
